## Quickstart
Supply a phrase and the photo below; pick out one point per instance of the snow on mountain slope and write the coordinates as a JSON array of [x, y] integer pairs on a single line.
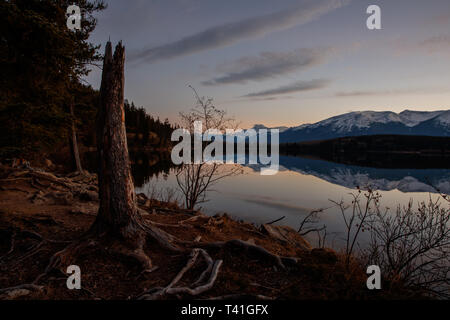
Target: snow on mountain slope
[[364, 119], [412, 118], [443, 118], [433, 123], [358, 119]]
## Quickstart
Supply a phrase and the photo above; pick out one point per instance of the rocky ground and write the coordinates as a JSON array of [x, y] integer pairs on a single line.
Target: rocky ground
[[41, 212]]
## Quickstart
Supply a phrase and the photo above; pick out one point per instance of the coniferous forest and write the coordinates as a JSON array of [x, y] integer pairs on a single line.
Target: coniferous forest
[[43, 90]]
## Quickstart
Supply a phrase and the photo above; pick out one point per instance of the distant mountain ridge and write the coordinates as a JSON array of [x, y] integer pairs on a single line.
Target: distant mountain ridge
[[408, 122]]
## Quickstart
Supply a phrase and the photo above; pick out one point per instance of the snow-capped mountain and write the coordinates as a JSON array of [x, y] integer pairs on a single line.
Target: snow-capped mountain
[[413, 118], [434, 123]]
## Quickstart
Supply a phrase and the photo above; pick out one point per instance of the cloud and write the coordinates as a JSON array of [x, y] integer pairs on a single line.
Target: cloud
[[401, 91], [441, 19], [439, 44], [436, 43], [273, 98], [360, 93], [298, 86], [268, 65], [230, 33]]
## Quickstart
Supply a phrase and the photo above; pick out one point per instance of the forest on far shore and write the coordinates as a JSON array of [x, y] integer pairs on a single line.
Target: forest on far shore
[[379, 151]]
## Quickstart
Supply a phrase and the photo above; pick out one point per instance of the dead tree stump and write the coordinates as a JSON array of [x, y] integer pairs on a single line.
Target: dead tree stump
[[117, 213]]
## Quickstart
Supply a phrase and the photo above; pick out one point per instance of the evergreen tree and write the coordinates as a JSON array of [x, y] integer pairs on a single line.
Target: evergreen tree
[[42, 64]]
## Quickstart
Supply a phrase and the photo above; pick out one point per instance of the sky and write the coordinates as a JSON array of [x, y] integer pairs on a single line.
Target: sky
[[281, 62]]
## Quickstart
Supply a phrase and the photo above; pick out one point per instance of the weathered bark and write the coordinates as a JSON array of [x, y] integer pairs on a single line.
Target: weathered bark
[[76, 153], [117, 212]]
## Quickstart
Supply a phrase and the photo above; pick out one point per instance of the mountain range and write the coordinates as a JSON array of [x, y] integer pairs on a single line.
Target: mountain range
[[426, 123]]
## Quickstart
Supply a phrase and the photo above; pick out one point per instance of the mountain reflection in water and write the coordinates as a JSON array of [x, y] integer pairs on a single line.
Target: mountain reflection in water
[[300, 186]]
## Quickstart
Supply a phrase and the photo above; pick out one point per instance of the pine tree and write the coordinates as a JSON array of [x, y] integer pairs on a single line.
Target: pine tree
[[42, 64]]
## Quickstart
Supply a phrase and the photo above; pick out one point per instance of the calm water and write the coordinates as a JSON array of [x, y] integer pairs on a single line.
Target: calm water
[[303, 185]]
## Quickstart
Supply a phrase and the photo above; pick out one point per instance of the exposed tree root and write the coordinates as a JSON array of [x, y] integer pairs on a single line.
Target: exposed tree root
[[191, 219], [202, 288], [136, 254], [66, 255], [212, 269], [243, 245], [210, 264], [11, 248], [17, 291], [34, 249], [22, 286], [168, 210], [179, 225], [165, 239]]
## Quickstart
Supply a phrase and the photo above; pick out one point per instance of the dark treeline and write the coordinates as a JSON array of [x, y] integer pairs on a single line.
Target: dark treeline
[[144, 130], [383, 151], [44, 65]]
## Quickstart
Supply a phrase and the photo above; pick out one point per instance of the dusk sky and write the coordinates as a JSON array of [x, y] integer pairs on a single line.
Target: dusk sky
[[283, 62]]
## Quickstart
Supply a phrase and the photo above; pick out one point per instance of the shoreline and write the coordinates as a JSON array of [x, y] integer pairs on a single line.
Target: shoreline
[[36, 206]]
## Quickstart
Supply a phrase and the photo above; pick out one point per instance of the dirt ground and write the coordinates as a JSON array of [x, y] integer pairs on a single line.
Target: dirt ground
[[40, 216]]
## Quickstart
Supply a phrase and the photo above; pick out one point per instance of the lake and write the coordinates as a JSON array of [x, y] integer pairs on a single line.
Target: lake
[[303, 185]]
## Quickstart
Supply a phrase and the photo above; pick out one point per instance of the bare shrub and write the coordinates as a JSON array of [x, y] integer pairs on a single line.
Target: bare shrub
[[413, 246], [196, 179], [310, 224], [357, 217]]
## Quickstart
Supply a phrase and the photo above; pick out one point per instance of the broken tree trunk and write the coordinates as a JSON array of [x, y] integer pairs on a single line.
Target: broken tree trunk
[[117, 212]]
